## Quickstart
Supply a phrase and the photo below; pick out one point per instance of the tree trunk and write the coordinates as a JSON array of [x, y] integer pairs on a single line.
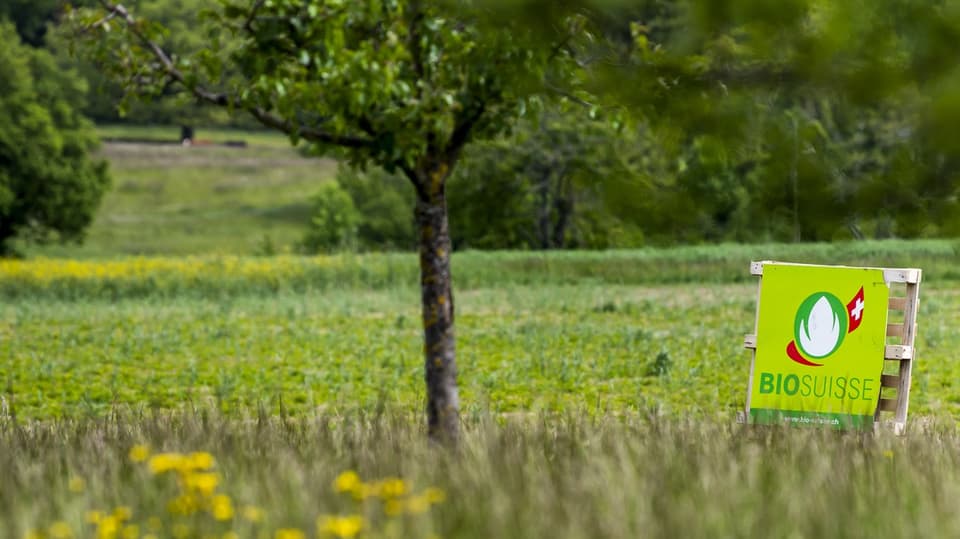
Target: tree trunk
[[443, 406]]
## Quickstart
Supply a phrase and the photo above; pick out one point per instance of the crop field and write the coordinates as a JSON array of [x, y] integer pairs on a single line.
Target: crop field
[[281, 397]]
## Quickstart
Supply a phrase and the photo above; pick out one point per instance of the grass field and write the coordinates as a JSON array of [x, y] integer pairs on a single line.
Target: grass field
[[168, 199], [205, 393], [599, 394]]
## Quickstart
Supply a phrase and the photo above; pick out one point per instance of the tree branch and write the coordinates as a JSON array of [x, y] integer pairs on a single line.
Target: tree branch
[[221, 99], [416, 19], [461, 132], [415, 180]]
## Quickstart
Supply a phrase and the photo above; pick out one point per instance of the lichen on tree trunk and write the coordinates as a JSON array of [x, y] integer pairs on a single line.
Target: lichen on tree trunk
[[443, 415]]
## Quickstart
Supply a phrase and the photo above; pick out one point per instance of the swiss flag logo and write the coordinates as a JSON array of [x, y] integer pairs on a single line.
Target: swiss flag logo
[[855, 311]]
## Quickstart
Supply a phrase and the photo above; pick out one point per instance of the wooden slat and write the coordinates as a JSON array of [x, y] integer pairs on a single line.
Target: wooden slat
[[898, 304], [909, 336], [895, 330], [889, 380], [898, 352], [887, 405], [756, 325], [910, 276], [750, 342]]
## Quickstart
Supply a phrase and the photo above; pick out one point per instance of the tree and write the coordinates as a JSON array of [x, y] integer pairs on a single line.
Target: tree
[[545, 185], [49, 187], [403, 84], [31, 17]]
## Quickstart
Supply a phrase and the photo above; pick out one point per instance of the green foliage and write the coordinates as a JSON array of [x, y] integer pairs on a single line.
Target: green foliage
[[334, 220], [385, 203], [545, 186], [31, 17], [552, 331], [49, 187], [403, 84]]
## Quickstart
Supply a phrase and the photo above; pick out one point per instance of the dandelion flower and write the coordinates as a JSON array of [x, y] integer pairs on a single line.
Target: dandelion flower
[[122, 513], [139, 453], [393, 488], [198, 461], [344, 527], [222, 507], [164, 462], [204, 483], [348, 481], [289, 533]]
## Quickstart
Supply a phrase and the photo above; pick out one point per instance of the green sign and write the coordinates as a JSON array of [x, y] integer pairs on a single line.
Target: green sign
[[821, 334]]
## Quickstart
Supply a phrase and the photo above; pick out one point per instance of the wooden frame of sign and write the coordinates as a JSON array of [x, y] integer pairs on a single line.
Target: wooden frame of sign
[[899, 355]]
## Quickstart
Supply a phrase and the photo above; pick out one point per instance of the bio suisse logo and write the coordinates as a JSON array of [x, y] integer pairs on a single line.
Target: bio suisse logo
[[821, 323]]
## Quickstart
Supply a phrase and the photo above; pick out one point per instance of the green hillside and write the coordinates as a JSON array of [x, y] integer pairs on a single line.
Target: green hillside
[[170, 199]]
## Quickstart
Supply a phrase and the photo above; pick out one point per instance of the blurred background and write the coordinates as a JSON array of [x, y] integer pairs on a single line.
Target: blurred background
[[686, 122]]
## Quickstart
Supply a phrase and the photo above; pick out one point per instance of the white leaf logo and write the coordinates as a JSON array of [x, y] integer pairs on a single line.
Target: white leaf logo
[[819, 328], [820, 332]]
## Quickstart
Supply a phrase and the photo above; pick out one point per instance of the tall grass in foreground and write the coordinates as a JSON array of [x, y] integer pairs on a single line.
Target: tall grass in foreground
[[536, 476]]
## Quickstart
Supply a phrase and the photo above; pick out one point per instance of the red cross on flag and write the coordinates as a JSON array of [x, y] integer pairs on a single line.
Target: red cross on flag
[[855, 311]]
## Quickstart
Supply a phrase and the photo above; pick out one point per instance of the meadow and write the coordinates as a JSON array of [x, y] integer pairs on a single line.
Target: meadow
[[173, 378], [232, 396], [169, 199]]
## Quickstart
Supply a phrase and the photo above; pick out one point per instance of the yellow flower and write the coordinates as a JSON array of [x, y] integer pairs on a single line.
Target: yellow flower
[[434, 495], [154, 523], [60, 530], [252, 513], [139, 453], [888, 453], [222, 507], [204, 483], [185, 504], [198, 461], [231, 535], [164, 462], [93, 517], [347, 481], [149, 536], [76, 484], [131, 531], [122, 513], [340, 526], [418, 505], [289, 533], [393, 487], [108, 527], [33, 534]]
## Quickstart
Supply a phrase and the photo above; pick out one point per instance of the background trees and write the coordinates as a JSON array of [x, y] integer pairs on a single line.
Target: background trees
[[49, 187]]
